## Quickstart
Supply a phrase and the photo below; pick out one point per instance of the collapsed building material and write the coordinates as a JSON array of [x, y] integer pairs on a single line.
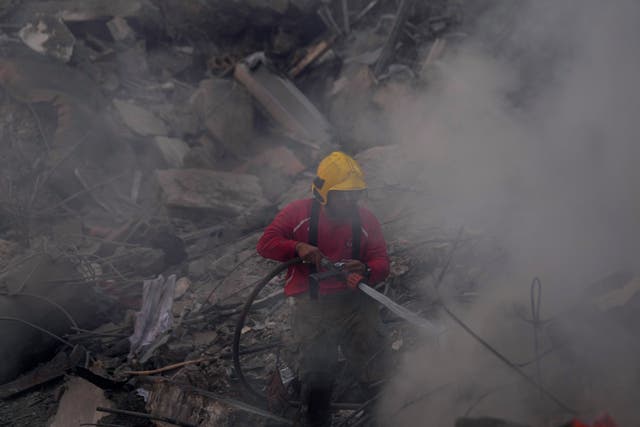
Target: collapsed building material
[[154, 318], [45, 276], [49, 371], [284, 102], [49, 36], [226, 110], [86, 10], [223, 194], [71, 413], [313, 54], [140, 120], [173, 150], [390, 45], [134, 414]]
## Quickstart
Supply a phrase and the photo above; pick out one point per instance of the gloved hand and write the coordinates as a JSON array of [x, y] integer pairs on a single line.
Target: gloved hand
[[353, 279], [309, 253], [354, 266]]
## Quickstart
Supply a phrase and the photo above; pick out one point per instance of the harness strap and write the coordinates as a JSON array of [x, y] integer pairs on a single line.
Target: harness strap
[[356, 232], [313, 240]]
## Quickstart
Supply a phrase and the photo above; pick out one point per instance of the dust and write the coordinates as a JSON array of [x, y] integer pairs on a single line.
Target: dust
[[528, 131]]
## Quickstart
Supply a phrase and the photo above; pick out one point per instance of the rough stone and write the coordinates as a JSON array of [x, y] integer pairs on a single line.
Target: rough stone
[[182, 285], [226, 110], [219, 193], [139, 120], [120, 30], [173, 150], [49, 36], [285, 103], [197, 268], [78, 404]]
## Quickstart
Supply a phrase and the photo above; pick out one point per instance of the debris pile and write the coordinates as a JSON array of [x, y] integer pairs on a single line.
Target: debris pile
[[147, 143]]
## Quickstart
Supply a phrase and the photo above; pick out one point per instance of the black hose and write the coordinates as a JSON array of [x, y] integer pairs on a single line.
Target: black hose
[[243, 316]]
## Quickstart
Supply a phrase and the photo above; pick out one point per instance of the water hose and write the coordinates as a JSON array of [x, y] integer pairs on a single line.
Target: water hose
[[235, 349]]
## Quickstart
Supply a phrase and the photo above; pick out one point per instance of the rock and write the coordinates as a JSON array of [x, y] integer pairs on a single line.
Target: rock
[[226, 110], [197, 268], [139, 120], [279, 6], [275, 167], [182, 285], [88, 10], [141, 261], [204, 338], [49, 36], [278, 158], [351, 111], [168, 400], [78, 404], [120, 30], [7, 249], [285, 103], [223, 194], [173, 150]]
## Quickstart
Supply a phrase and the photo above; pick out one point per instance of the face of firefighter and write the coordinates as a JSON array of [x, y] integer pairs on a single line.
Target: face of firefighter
[[342, 205]]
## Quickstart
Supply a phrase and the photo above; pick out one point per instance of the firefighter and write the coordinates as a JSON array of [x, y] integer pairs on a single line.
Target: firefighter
[[331, 225]]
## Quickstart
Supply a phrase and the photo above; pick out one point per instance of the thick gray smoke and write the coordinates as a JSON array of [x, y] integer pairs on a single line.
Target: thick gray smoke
[[529, 132]]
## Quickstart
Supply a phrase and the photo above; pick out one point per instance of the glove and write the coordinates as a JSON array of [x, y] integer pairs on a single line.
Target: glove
[[309, 253], [354, 266], [353, 279]]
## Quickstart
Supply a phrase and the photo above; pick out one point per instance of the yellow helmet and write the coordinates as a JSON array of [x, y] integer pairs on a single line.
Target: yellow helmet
[[337, 172]]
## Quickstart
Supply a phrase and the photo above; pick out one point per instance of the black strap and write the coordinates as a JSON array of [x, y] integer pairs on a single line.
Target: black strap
[[313, 240], [313, 222], [356, 231]]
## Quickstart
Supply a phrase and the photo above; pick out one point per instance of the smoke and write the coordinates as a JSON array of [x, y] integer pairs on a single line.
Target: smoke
[[529, 131]]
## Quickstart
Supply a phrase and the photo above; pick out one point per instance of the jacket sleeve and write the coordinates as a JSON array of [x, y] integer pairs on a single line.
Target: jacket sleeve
[[277, 240], [375, 254]]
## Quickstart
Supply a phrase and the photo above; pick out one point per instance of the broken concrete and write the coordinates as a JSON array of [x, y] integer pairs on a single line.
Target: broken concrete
[[71, 413], [87, 10], [140, 120], [49, 36], [221, 194], [44, 276], [285, 103], [173, 150], [226, 110], [120, 30]]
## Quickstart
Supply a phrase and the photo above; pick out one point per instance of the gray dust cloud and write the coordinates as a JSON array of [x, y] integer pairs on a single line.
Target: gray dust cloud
[[528, 131]]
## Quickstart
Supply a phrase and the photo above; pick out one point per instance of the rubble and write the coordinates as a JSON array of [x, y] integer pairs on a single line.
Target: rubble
[[222, 194], [154, 318], [140, 120], [120, 30], [284, 102], [70, 413], [223, 106], [49, 36], [173, 150], [170, 132]]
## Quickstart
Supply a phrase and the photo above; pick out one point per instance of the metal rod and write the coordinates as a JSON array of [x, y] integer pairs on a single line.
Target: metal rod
[[143, 415]]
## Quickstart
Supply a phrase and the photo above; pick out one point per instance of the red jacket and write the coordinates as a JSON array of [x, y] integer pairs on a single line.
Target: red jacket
[[291, 226]]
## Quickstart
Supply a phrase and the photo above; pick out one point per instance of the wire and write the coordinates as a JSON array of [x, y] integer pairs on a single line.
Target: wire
[[51, 334], [536, 301], [488, 346], [47, 300]]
